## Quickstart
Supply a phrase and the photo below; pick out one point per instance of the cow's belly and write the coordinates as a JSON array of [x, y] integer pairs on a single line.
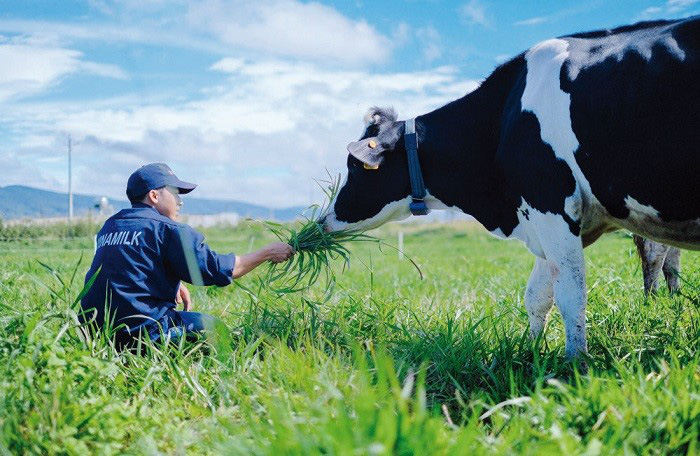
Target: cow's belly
[[642, 220], [682, 234]]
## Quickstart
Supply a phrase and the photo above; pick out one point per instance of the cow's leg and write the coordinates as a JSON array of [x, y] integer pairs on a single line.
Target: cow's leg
[[539, 296], [570, 295], [564, 252], [671, 268], [652, 255]]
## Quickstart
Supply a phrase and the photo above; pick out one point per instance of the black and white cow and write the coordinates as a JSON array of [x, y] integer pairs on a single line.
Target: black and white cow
[[578, 136]]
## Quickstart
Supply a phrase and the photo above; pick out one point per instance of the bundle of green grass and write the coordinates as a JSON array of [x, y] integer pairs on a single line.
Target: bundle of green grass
[[315, 249]]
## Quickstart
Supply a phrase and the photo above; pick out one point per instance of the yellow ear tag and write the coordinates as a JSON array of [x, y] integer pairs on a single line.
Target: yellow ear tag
[[372, 144]]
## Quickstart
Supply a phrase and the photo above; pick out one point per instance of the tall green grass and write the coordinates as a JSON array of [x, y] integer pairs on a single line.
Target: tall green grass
[[387, 364], [25, 233]]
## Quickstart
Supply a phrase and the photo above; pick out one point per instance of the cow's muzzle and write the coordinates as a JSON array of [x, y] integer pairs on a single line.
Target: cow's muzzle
[[322, 221]]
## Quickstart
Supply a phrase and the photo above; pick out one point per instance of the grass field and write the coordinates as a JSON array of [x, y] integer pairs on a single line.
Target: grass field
[[385, 364]]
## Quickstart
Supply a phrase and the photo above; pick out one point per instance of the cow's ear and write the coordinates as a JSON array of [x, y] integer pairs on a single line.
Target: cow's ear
[[378, 116], [368, 151]]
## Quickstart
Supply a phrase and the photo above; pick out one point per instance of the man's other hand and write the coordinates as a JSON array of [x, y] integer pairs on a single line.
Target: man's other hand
[[277, 252], [183, 297]]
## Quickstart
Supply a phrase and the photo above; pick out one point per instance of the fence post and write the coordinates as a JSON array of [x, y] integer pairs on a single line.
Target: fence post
[[400, 245], [250, 244]]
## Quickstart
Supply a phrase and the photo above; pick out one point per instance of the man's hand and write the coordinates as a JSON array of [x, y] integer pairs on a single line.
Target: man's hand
[[277, 252], [183, 297]]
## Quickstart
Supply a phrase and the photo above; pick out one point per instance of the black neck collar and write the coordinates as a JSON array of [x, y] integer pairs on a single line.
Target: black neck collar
[[418, 192]]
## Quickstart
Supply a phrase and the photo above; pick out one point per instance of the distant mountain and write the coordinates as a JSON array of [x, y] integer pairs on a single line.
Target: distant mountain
[[18, 201]]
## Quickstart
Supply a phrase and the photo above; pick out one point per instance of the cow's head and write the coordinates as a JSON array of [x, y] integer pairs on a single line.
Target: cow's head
[[377, 187]]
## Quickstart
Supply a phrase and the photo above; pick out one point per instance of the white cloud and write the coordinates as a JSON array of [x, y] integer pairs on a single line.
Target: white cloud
[[102, 6], [22, 172], [275, 120], [60, 33], [27, 69], [651, 11], [290, 28], [430, 41], [557, 16], [500, 58], [401, 34], [675, 6], [229, 65], [532, 21], [102, 69], [112, 7], [474, 12], [260, 136], [670, 8], [277, 28]]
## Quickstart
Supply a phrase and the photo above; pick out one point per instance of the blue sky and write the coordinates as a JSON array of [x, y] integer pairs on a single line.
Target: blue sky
[[252, 100]]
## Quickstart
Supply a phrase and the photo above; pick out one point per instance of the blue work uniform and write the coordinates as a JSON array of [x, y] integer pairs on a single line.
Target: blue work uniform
[[143, 256]]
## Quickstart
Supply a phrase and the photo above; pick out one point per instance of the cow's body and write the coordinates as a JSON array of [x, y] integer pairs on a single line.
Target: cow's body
[[578, 136]]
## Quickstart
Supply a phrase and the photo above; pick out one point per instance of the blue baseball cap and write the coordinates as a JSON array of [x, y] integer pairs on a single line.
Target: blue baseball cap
[[152, 176]]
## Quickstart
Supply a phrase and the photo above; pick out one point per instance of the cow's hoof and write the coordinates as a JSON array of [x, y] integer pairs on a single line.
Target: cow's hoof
[[579, 363]]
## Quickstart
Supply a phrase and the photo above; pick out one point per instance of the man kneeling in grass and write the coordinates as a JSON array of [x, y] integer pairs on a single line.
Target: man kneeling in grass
[[144, 254]]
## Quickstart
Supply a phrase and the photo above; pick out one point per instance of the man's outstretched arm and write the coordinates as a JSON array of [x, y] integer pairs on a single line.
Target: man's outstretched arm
[[276, 252]]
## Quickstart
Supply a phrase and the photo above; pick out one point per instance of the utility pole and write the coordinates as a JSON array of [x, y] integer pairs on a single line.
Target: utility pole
[[70, 182]]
